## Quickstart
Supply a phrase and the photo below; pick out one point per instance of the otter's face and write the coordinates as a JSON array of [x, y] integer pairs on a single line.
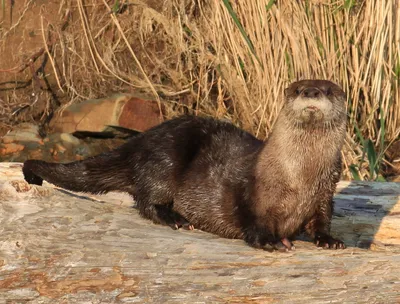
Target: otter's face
[[314, 101]]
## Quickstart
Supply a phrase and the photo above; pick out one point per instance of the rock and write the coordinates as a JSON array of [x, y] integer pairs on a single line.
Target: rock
[[100, 125], [23, 132], [96, 115], [34, 154], [69, 139], [21, 140], [11, 148], [57, 147], [63, 142], [7, 140]]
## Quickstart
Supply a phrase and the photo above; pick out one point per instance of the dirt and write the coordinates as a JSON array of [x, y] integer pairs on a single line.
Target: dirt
[[29, 91], [23, 98]]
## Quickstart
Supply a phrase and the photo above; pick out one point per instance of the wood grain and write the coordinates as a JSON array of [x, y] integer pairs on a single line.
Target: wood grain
[[61, 247]]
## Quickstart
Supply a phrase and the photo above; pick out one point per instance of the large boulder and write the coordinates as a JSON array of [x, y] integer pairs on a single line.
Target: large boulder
[[82, 130], [95, 115]]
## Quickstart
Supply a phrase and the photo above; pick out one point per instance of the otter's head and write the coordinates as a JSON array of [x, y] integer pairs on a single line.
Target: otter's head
[[315, 102]]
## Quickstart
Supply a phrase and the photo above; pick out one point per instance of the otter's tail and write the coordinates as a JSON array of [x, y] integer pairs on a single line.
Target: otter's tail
[[98, 174]]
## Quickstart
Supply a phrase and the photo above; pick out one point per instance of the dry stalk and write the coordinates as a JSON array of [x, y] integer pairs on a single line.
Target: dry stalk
[[193, 53]]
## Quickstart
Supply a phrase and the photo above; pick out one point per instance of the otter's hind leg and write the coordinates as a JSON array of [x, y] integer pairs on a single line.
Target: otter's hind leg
[[171, 217], [163, 214], [260, 237]]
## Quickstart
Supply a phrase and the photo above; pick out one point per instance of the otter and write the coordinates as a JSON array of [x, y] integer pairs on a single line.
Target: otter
[[207, 173]]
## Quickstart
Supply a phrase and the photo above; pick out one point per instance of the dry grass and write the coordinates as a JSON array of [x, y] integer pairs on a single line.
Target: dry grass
[[194, 55]]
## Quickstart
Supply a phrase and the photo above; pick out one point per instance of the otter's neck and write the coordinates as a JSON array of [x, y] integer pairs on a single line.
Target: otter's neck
[[300, 152]]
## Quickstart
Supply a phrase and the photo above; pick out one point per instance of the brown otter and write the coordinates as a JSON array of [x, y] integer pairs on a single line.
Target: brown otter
[[222, 179]]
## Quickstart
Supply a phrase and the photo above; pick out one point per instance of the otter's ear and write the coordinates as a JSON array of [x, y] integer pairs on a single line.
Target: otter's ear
[[286, 92]]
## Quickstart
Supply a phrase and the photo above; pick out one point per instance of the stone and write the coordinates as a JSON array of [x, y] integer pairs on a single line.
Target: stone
[[11, 148], [23, 132], [96, 115], [15, 143], [59, 148], [139, 115], [69, 139], [7, 139], [35, 154]]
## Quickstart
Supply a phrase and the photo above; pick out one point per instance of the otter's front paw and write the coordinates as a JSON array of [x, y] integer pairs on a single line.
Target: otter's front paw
[[270, 245], [183, 224], [284, 245], [328, 242]]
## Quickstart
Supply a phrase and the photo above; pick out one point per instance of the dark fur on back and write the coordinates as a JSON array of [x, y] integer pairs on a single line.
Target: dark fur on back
[[222, 179]]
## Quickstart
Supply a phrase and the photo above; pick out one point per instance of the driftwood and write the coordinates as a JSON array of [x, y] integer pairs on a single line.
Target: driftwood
[[60, 247]]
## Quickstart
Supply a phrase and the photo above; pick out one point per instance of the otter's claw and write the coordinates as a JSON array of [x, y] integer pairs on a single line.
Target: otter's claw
[[328, 242], [183, 224]]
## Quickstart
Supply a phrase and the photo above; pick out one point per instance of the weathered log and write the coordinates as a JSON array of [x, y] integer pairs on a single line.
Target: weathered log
[[60, 247]]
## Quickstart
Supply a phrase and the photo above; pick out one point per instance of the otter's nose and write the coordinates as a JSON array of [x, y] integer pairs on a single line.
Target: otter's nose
[[311, 93]]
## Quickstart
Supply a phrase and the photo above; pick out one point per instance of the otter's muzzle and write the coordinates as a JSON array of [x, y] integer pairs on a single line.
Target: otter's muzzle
[[311, 113], [311, 93], [312, 105]]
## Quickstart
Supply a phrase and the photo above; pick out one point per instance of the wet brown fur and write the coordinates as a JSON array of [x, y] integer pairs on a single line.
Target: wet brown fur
[[222, 179]]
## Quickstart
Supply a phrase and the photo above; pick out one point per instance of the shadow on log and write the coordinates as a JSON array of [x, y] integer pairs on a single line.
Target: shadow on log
[[367, 214], [59, 247]]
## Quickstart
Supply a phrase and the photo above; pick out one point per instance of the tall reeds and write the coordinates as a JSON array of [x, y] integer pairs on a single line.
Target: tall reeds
[[233, 58]]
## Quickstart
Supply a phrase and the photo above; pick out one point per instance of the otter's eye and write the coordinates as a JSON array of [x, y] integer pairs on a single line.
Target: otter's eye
[[297, 91], [328, 91]]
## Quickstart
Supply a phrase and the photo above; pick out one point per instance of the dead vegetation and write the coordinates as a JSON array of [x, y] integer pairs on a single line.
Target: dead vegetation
[[229, 59]]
